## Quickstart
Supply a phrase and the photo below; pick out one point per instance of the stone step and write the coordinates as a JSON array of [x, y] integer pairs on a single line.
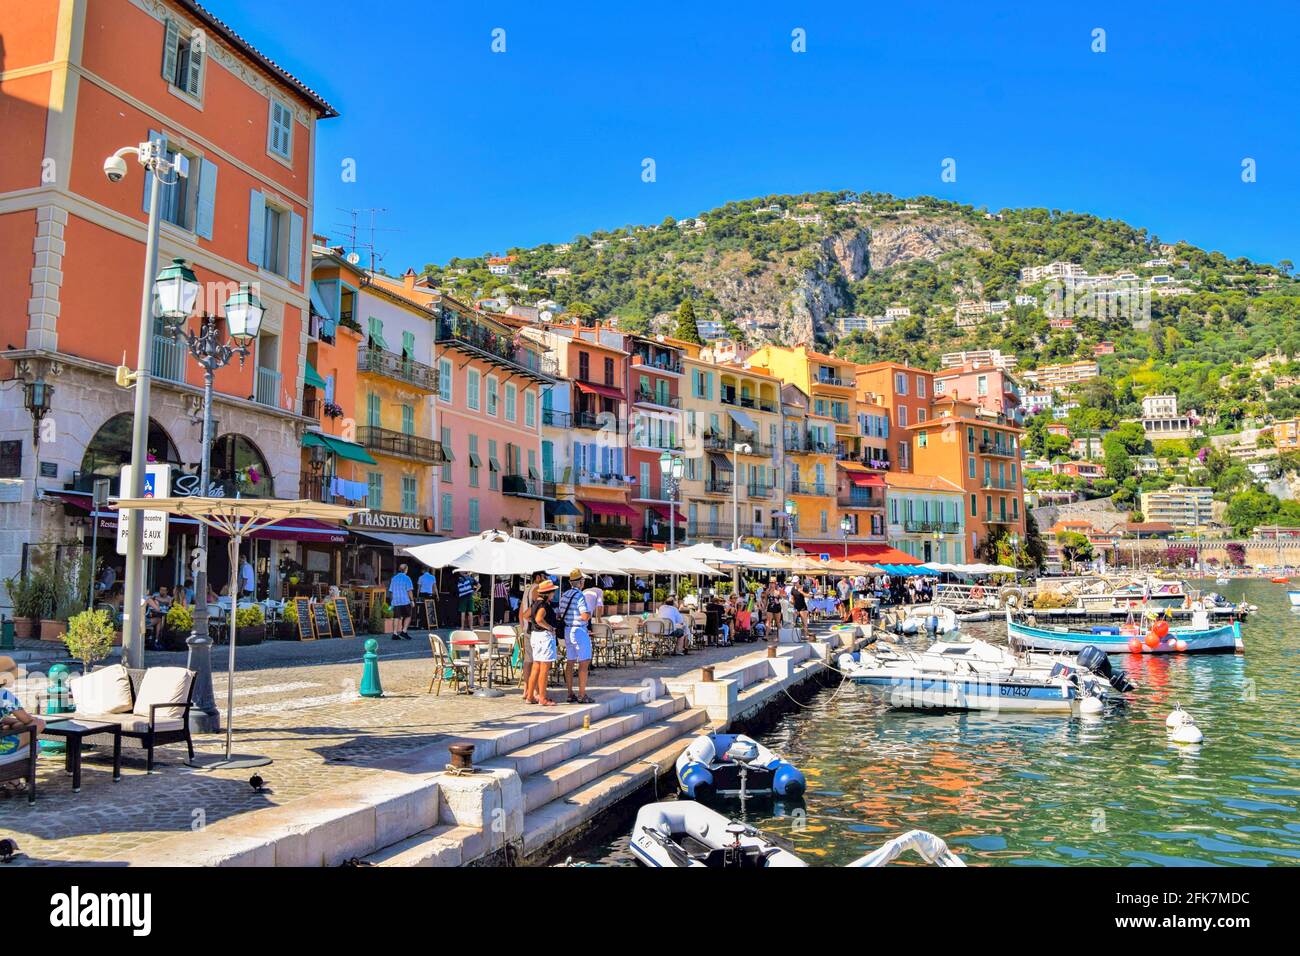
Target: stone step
[[445, 845], [561, 817], [558, 781], [535, 757]]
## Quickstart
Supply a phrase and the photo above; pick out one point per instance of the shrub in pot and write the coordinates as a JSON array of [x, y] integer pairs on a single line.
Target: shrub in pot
[[250, 626], [89, 637], [29, 598], [178, 626]]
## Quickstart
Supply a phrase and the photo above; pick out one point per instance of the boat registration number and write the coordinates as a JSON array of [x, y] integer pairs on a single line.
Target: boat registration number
[[1014, 691]]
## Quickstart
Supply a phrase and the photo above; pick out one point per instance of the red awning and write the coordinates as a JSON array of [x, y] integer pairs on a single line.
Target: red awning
[[297, 529], [606, 391], [608, 509], [865, 479], [858, 551], [663, 512]]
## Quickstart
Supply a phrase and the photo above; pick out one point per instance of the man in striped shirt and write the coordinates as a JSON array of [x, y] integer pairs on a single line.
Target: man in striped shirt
[[574, 614]]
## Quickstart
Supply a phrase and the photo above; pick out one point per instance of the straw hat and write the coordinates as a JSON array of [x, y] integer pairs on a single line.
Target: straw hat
[[546, 587], [577, 575]]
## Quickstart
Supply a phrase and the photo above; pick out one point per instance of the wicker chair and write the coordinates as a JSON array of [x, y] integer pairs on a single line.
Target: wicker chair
[[444, 665], [21, 764]]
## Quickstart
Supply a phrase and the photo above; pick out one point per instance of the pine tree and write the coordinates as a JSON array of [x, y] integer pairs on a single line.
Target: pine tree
[[687, 329]]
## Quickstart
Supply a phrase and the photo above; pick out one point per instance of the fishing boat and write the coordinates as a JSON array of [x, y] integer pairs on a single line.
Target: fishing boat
[[682, 833], [1201, 637], [733, 765], [1280, 579], [970, 674]]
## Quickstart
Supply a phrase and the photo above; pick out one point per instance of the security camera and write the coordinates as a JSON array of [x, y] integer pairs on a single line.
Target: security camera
[[115, 169]]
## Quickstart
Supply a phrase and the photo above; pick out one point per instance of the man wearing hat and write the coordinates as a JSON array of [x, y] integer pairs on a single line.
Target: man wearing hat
[[574, 615], [12, 715]]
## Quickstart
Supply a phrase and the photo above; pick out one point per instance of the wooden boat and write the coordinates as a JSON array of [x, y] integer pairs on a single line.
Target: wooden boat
[[1201, 638]]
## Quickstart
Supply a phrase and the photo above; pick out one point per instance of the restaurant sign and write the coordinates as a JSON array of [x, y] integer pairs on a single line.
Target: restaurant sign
[[550, 536], [392, 521]]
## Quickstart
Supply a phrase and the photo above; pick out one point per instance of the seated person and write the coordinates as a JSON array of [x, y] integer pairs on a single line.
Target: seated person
[[716, 629], [156, 608], [676, 623], [13, 717]]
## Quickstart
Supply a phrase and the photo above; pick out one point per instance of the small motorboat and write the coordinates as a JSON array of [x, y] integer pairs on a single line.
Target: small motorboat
[[928, 619], [683, 833], [1294, 597], [1201, 637], [1222, 581], [1280, 579], [733, 765]]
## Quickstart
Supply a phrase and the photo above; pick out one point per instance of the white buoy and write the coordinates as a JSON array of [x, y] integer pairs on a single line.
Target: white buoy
[[1178, 717], [1091, 706], [1188, 733]]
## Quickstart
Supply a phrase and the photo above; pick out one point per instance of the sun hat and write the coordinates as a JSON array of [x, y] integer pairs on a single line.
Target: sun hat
[[577, 575], [545, 587]]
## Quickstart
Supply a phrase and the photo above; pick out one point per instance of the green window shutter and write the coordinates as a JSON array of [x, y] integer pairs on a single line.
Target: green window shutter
[[256, 227], [171, 38], [207, 203], [408, 420], [408, 344], [372, 410]]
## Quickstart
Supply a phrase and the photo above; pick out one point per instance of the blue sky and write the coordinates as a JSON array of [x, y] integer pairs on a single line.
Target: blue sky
[[471, 151]]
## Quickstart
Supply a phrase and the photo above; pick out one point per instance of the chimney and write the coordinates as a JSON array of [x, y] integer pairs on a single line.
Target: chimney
[[408, 280]]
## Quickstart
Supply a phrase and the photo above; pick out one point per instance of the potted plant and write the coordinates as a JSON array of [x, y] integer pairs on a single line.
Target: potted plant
[[636, 601], [287, 629], [27, 594], [377, 617], [177, 628], [89, 637], [69, 583], [390, 624], [250, 626]]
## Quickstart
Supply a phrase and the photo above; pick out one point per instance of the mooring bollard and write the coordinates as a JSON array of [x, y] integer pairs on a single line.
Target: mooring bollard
[[706, 673], [370, 686], [771, 650], [462, 756]]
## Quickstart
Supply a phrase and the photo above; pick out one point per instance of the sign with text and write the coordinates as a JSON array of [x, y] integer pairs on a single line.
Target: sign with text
[[157, 484], [302, 606], [343, 614], [391, 521]]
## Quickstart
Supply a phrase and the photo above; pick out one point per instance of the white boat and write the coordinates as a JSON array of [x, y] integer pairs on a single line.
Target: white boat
[[1295, 598], [928, 619], [970, 674], [733, 765], [1222, 581], [682, 833]]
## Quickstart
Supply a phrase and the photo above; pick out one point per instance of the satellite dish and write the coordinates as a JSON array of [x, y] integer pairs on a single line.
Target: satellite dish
[[353, 258]]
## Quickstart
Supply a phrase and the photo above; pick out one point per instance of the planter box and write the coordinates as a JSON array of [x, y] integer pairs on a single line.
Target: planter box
[[24, 627], [285, 631], [175, 640], [637, 607], [245, 636], [53, 631]]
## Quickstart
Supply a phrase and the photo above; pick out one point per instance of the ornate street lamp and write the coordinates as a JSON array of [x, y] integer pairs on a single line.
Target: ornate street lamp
[[672, 467], [791, 509], [37, 399]]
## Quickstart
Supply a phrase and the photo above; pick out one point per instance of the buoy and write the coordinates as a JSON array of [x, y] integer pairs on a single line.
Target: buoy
[[1090, 706], [1187, 734], [1135, 645], [1152, 641], [1178, 717], [1181, 644], [1160, 628]]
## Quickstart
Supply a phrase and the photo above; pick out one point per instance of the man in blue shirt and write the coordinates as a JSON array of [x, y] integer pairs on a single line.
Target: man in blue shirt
[[247, 583], [427, 585], [574, 616], [400, 587]]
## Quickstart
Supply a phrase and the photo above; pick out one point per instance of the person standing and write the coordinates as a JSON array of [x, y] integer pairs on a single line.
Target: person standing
[[401, 589], [542, 623], [465, 599], [595, 596], [247, 583], [427, 587], [501, 600], [574, 617]]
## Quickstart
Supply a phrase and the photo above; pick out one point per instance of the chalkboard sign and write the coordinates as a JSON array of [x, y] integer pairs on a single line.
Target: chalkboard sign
[[344, 615], [430, 613], [303, 606], [320, 621]]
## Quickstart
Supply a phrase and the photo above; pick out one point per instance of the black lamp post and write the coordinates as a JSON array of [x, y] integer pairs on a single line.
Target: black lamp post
[[243, 315], [37, 397]]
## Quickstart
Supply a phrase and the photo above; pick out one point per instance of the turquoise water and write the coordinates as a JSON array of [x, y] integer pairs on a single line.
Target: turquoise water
[[1050, 790]]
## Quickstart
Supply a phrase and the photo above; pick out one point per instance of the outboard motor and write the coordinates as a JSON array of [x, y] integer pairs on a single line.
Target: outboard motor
[[1093, 658]]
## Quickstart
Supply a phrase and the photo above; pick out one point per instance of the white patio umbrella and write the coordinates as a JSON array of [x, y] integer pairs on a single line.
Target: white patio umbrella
[[494, 553], [633, 560], [568, 557], [237, 518], [708, 552]]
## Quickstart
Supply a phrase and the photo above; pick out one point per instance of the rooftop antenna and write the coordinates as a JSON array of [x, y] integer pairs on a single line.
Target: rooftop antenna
[[355, 230]]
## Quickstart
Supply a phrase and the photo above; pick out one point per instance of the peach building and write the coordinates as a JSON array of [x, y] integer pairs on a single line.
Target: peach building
[[905, 392]]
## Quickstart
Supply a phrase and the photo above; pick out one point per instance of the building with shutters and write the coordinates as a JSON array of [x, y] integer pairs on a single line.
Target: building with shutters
[[80, 81]]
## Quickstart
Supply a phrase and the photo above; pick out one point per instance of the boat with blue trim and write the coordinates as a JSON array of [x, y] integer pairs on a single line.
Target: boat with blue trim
[[733, 765], [1144, 637]]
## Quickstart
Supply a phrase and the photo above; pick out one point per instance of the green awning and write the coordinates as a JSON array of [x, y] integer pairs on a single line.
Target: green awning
[[313, 378], [348, 450]]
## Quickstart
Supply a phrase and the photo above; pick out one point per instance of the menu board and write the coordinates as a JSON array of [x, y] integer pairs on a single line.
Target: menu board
[[344, 615], [320, 621], [303, 606], [430, 613]]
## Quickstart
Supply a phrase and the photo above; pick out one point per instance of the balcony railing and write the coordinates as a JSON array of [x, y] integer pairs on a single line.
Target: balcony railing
[[709, 529], [522, 487], [860, 499], [727, 443], [804, 446], [717, 486], [605, 529], [169, 358], [832, 380], [556, 419], [267, 388], [932, 527], [457, 330], [657, 364], [868, 458], [759, 491], [399, 367], [401, 445], [1001, 519], [996, 448], [602, 481], [595, 421], [646, 396], [998, 484], [808, 488]]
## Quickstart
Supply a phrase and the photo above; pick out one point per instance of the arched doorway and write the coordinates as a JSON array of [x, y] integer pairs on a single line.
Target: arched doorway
[[240, 465], [110, 449]]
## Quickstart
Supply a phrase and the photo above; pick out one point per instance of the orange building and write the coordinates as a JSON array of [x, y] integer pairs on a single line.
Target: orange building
[[78, 81], [980, 453], [906, 393]]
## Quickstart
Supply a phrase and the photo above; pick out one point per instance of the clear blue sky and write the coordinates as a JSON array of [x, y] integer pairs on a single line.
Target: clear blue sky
[[472, 151]]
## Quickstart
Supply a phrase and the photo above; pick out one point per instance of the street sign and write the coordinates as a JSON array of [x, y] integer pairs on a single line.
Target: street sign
[[157, 484]]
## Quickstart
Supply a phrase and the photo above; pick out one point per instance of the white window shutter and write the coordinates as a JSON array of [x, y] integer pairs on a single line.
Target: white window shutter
[[154, 135], [207, 203], [294, 272], [194, 83], [171, 37], [256, 227]]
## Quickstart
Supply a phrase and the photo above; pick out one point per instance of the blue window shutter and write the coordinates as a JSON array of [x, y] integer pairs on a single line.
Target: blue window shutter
[[295, 248], [194, 82], [148, 176], [171, 37], [256, 227], [207, 198]]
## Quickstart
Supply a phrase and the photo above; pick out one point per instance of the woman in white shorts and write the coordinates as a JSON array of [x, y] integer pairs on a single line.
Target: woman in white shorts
[[542, 624]]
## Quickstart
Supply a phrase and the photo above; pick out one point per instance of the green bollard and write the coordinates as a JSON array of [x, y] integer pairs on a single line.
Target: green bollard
[[370, 686], [56, 703]]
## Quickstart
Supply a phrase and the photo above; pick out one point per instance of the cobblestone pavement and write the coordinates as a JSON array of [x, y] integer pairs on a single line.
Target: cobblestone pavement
[[296, 703]]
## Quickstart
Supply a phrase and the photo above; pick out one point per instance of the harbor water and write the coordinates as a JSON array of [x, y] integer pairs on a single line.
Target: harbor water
[[1051, 790]]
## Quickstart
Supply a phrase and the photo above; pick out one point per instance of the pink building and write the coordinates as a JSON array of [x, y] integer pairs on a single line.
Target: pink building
[[990, 387]]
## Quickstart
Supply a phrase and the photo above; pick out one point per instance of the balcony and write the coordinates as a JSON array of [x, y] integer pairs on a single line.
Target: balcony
[[401, 445], [460, 332], [596, 421], [605, 529], [659, 363], [717, 486], [398, 367], [932, 527], [996, 448], [521, 487], [872, 459], [556, 419], [709, 529], [267, 387], [767, 405], [759, 491], [648, 397], [998, 484], [804, 446], [600, 481], [831, 381], [728, 443], [809, 488], [1001, 519], [169, 358], [856, 498]]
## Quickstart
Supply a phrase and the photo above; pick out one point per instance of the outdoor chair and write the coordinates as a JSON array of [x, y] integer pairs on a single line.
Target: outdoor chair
[[657, 641], [468, 653], [454, 672], [506, 639], [21, 764]]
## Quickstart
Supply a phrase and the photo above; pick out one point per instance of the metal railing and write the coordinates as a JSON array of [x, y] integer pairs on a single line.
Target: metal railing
[[605, 529], [657, 364], [169, 358], [267, 388], [860, 499], [401, 445], [996, 448], [596, 421], [808, 488], [556, 419], [646, 396], [465, 332], [717, 486], [802, 446], [931, 527], [998, 484], [394, 366], [759, 491], [521, 486]]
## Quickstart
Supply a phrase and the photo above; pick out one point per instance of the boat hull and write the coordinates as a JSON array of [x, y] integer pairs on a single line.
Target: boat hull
[[933, 692], [1295, 598], [1225, 639]]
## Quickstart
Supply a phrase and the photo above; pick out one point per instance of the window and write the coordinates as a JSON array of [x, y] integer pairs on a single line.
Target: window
[[474, 461], [970, 467], [444, 380], [902, 416], [473, 382], [494, 466], [922, 439], [824, 522], [273, 219], [473, 516], [584, 366], [982, 385], [409, 505], [921, 415], [920, 387], [375, 491], [900, 383], [512, 402], [182, 66], [974, 506], [609, 371], [1015, 509], [274, 237], [372, 410], [445, 432], [530, 409], [408, 420], [970, 439], [492, 396], [448, 521], [280, 136]]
